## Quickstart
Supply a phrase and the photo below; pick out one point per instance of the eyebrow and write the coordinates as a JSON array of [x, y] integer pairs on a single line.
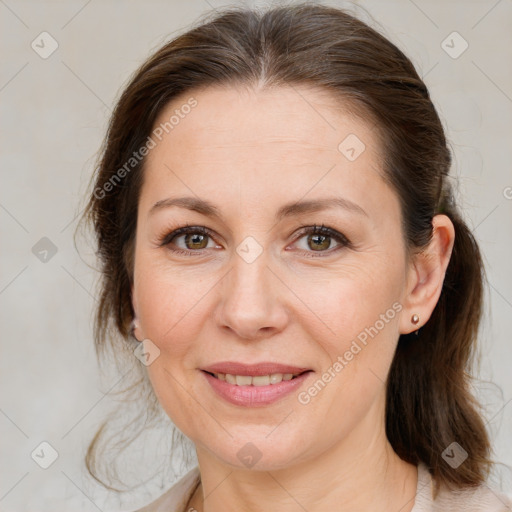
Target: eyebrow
[[288, 210]]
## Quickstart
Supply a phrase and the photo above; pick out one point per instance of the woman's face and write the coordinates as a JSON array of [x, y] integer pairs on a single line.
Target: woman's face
[[258, 285]]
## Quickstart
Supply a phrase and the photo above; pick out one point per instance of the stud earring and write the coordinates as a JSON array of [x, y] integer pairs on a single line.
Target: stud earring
[[415, 319]]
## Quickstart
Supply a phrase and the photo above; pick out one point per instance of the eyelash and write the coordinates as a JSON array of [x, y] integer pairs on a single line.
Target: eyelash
[[314, 230]]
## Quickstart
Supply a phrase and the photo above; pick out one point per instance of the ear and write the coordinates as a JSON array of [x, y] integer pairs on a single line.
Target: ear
[[426, 275]]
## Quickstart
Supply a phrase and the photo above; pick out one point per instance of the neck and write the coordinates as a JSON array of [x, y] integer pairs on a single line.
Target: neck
[[360, 473]]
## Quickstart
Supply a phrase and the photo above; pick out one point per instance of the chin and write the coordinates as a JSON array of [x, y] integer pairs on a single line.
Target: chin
[[260, 452]]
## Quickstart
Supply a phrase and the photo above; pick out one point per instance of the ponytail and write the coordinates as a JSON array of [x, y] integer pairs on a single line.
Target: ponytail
[[429, 404]]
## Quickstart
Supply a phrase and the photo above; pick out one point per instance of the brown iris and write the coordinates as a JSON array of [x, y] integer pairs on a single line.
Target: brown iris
[[198, 240], [320, 241]]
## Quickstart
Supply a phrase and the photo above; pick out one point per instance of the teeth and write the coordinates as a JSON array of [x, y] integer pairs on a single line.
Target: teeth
[[259, 380], [243, 381], [263, 380]]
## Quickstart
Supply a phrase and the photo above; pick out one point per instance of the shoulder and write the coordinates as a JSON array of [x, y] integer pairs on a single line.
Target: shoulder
[[175, 498], [477, 499]]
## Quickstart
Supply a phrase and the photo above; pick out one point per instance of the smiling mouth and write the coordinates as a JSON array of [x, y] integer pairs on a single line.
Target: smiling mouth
[[258, 380]]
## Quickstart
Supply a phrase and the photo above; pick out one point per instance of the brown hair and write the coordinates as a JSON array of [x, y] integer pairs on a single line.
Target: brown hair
[[429, 404]]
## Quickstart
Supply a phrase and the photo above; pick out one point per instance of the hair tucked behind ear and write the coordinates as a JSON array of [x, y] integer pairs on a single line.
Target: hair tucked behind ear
[[429, 404], [429, 378]]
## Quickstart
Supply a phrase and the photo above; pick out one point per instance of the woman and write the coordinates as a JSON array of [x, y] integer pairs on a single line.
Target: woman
[[278, 234]]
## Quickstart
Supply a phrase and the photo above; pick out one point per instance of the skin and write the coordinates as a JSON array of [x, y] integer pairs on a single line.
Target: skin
[[249, 152]]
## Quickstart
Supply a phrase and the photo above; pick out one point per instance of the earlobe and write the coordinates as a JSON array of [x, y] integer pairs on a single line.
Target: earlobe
[[426, 276]]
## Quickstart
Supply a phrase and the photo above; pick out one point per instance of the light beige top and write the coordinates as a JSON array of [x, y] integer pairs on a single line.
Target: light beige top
[[481, 499]]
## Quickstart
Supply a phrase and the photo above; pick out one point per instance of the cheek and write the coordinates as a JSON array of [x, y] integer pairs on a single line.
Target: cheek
[[354, 298], [364, 317], [361, 308], [170, 307], [178, 396], [170, 302]]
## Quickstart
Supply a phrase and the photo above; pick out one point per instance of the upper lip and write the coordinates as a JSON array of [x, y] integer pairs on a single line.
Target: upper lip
[[252, 370]]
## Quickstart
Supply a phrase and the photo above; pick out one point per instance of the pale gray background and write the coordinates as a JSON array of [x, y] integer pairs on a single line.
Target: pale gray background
[[53, 118]]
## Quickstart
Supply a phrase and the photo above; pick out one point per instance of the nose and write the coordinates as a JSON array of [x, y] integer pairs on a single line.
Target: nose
[[251, 300]]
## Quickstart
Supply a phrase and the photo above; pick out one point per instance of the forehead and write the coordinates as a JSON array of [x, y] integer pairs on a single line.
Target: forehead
[[260, 144], [301, 119]]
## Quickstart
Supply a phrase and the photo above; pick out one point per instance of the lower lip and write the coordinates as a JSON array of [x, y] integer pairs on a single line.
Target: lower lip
[[254, 396]]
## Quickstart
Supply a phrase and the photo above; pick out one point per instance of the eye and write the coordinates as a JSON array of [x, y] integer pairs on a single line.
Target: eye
[[188, 239], [319, 239]]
